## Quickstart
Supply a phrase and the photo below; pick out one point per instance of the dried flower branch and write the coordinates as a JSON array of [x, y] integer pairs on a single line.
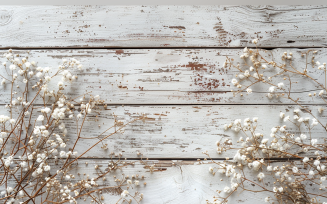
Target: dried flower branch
[[38, 161], [303, 156]]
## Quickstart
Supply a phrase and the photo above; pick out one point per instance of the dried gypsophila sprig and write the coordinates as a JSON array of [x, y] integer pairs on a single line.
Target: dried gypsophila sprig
[[257, 154], [36, 165], [291, 179]]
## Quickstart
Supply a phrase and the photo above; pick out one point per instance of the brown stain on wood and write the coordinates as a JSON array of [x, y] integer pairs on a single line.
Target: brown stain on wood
[[199, 79], [196, 66], [177, 27], [162, 165], [119, 52], [222, 34]]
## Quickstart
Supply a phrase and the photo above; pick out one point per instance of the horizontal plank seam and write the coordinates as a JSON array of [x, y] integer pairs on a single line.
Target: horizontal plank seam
[[192, 159], [150, 48], [196, 104], [184, 159]]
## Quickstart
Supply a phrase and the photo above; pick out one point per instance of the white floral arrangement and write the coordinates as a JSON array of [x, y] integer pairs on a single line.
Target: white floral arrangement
[[294, 163], [38, 162]]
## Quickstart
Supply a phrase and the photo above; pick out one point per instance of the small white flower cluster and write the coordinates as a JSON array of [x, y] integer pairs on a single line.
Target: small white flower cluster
[[256, 146], [296, 140], [287, 57], [255, 74], [34, 143], [223, 146], [300, 120], [321, 66], [4, 118]]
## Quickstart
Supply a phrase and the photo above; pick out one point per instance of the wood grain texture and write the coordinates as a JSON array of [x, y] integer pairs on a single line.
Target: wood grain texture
[[173, 181], [166, 62], [162, 26], [171, 76], [174, 132]]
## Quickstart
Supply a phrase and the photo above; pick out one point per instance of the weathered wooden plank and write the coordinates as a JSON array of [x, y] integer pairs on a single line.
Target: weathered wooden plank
[[183, 131], [180, 181], [169, 76], [162, 26], [173, 181]]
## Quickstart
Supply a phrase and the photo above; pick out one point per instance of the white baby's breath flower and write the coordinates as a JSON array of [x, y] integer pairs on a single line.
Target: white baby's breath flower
[[12, 121], [12, 67], [314, 122], [234, 82], [46, 110], [247, 73], [47, 78], [47, 168], [124, 193], [10, 190], [27, 64], [40, 118], [62, 154], [261, 175], [280, 85], [275, 189], [39, 74], [303, 136], [286, 118], [297, 111], [305, 159], [272, 89], [227, 189]]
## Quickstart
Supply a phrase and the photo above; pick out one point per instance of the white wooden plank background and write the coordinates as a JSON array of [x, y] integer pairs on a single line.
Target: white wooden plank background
[[170, 76], [183, 131], [163, 26], [160, 64], [173, 181], [183, 182]]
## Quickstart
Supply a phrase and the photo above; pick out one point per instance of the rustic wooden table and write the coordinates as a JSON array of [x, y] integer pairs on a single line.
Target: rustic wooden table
[[167, 62]]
